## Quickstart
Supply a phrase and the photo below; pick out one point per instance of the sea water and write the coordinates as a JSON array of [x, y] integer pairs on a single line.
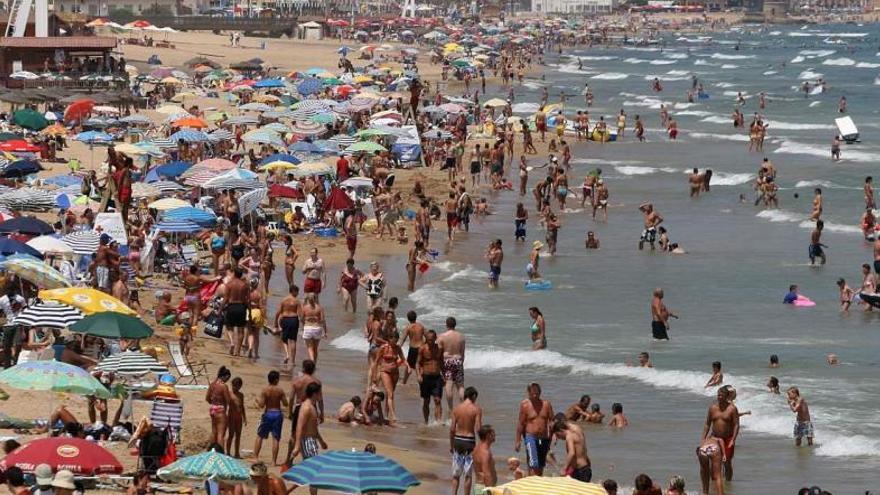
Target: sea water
[[728, 288]]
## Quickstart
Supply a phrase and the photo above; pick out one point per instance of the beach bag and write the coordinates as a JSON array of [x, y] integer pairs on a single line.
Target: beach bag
[[214, 325]]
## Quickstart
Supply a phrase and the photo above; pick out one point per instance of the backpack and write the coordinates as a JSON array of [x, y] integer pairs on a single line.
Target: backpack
[[214, 325]]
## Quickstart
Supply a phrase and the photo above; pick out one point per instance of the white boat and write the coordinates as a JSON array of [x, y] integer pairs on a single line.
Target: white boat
[[847, 129]]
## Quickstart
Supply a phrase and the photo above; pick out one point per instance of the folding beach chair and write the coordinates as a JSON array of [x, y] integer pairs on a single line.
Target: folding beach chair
[[167, 415], [186, 368]]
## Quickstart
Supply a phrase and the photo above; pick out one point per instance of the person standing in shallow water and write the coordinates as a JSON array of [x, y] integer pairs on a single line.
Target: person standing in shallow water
[[660, 315], [722, 422]]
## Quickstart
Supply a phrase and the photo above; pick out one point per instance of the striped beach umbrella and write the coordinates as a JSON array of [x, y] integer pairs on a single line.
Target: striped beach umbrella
[[206, 466], [178, 226], [220, 135], [167, 186], [217, 164], [140, 190], [28, 198], [53, 376], [308, 128], [201, 176], [189, 213], [189, 136], [343, 140], [263, 136], [160, 143], [36, 272], [352, 472], [277, 127], [255, 107], [242, 120], [365, 146], [311, 107], [249, 201], [238, 178], [84, 242], [132, 363], [538, 485], [48, 314]]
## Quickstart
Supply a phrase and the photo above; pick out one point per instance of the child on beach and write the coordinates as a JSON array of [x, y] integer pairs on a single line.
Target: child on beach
[[717, 377], [350, 412], [237, 417], [595, 415], [618, 420], [513, 466], [774, 361], [610, 487], [803, 427], [773, 385]]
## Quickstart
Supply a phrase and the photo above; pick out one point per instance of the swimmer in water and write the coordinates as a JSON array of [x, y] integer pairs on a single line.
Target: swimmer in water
[[846, 295], [816, 244]]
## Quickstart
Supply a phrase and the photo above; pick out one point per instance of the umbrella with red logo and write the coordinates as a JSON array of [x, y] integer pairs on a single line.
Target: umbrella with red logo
[[81, 457], [338, 200]]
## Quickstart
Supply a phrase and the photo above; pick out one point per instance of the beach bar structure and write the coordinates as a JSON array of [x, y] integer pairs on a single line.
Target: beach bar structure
[[32, 53]]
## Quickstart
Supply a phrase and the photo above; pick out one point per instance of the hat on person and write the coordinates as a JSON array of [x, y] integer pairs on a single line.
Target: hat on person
[[259, 469], [105, 238], [537, 245], [43, 474], [64, 479]]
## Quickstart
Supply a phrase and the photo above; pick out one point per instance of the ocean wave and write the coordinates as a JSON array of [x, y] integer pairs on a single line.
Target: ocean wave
[[721, 137], [798, 59], [791, 126], [770, 414], [635, 170], [655, 104], [610, 76], [814, 104], [525, 107], [730, 66], [573, 69], [825, 184], [803, 221], [778, 216], [700, 61], [843, 61], [695, 113], [769, 72], [662, 62], [867, 65], [678, 56], [722, 56], [679, 73], [353, 340], [832, 227], [809, 74], [596, 57], [730, 179], [436, 304], [665, 77], [818, 53], [797, 148], [718, 119], [633, 60], [826, 34], [725, 85]]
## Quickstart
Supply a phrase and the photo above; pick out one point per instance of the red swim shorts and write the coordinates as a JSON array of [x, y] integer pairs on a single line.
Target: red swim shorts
[[312, 285]]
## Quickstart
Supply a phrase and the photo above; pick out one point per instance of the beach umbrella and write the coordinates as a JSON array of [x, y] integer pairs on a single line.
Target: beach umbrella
[[53, 376], [189, 136], [168, 204], [189, 213], [136, 119], [167, 186], [238, 178], [112, 325], [158, 143], [200, 176], [313, 168], [306, 147], [93, 137], [217, 164], [171, 110], [79, 456], [84, 242], [279, 191], [220, 135], [20, 168], [36, 272], [206, 466], [260, 136], [48, 244], [255, 107], [87, 300], [279, 157], [28, 198], [496, 103], [309, 86], [173, 169], [48, 314], [308, 128], [269, 83], [178, 226], [276, 165], [131, 363], [18, 146], [9, 136], [26, 225], [338, 200], [242, 120], [30, 119], [78, 110], [248, 202], [141, 190], [361, 104], [365, 146], [9, 246], [191, 122], [352, 472], [343, 140], [538, 485]]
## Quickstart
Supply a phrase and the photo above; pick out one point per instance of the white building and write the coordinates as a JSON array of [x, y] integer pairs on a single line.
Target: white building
[[573, 6], [104, 7]]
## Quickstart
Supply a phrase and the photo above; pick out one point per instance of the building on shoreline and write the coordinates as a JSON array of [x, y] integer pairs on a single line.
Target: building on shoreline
[[574, 6]]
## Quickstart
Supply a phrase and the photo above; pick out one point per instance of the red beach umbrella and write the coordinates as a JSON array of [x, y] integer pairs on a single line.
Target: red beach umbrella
[[279, 191], [338, 200], [79, 109], [81, 457], [18, 145]]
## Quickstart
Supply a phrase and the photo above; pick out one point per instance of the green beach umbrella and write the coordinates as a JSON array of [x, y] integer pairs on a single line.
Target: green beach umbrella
[[111, 325], [53, 376], [365, 146], [206, 466], [323, 118], [30, 119], [461, 63], [371, 132], [332, 81], [9, 136]]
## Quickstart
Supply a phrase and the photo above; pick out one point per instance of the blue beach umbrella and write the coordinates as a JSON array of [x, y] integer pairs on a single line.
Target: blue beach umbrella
[[352, 472], [190, 214], [173, 169], [11, 246], [94, 137], [189, 136], [206, 466], [306, 147], [309, 86], [269, 83], [26, 225], [21, 168]]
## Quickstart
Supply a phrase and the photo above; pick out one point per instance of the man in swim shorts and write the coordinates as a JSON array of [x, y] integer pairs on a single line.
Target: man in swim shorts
[[452, 344], [236, 304], [271, 399], [451, 216], [315, 275], [722, 421], [467, 419], [660, 315], [652, 221], [815, 249], [494, 255], [415, 332], [287, 322], [533, 429]]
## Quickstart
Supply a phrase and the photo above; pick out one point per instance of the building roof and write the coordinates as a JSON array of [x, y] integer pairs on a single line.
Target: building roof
[[86, 42]]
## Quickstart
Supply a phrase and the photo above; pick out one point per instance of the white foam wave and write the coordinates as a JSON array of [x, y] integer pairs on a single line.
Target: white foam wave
[[662, 62], [791, 126], [353, 340], [814, 104], [798, 148], [798, 59], [678, 73], [436, 304], [769, 72], [730, 66], [784, 216], [633, 60], [843, 61], [817, 53], [722, 56], [725, 85], [832, 227], [636, 170], [770, 415], [730, 179], [825, 34], [524, 107], [809, 74], [778, 216], [722, 137], [867, 65], [700, 61], [610, 76], [664, 77], [676, 55], [682, 106], [717, 119], [573, 69], [596, 57], [825, 184]]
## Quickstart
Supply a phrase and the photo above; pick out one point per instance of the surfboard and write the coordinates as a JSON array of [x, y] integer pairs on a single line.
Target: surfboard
[[538, 285], [847, 128]]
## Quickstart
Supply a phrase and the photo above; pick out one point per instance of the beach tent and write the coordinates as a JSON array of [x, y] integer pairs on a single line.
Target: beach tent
[[311, 31]]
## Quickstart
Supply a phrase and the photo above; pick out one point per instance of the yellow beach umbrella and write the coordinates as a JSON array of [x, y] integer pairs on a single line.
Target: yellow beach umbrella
[[130, 149], [54, 130], [363, 79], [168, 204], [552, 108], [266, 98], [171, 109], [87, 300], [171, 80], [278, 164], [539, 485]]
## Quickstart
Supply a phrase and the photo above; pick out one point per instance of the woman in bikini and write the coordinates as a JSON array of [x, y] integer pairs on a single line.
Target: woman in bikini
[[373, 334], [349, 281], [314, 325], [290, 256], [218, 396], [539, 329], [711, 456], [390, 360]]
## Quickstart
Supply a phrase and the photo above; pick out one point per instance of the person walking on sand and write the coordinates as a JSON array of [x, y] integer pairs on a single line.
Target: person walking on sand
[[533, 429], [803, 426], [466, 422], [308, 437], [315, 274], [452, 344], [415, 332], [217, 397], [722, 422], [428, 371], [287, 322], [298, 397], [484, 463], [577, 462], [314, 325], [271, 400], [236, 304], [660, 315]]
